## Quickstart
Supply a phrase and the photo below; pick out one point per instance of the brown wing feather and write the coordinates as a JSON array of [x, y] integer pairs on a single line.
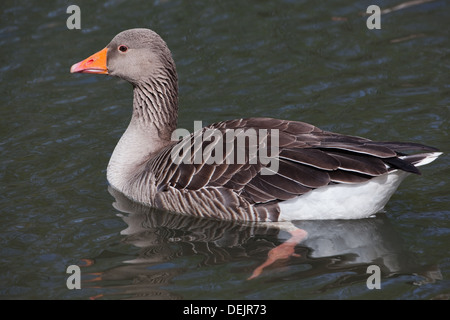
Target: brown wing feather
[[308, 158]]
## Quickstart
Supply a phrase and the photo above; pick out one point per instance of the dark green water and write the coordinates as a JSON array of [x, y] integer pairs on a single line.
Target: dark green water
[[298, 60]]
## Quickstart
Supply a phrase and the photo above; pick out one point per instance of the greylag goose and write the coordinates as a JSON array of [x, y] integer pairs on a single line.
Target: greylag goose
[[318, 174]]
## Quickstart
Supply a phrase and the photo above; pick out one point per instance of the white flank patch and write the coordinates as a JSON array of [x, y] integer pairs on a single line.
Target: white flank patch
[[347, 201], [343, 201]]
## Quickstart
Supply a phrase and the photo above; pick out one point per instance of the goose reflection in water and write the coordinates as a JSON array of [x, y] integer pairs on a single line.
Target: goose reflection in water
[[347, 246]]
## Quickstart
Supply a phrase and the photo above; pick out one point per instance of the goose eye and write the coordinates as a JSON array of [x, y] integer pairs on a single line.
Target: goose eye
[[123, 48]]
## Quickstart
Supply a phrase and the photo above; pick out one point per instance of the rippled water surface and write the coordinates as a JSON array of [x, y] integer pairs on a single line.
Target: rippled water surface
[[299, 60]]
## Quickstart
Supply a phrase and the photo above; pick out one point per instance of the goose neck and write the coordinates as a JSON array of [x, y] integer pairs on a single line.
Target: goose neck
[[155, 104]]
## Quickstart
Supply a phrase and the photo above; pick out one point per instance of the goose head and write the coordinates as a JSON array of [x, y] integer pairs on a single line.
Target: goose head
[[135, 55]]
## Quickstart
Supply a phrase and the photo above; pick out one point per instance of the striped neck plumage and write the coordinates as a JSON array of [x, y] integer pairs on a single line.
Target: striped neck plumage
[[156, 105], [155, 111]]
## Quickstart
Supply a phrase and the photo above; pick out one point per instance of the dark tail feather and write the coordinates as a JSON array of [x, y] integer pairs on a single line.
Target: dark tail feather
[[409, 163], [402, 164]]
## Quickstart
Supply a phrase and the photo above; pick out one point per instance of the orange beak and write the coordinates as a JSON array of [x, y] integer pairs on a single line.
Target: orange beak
[[94, 64]]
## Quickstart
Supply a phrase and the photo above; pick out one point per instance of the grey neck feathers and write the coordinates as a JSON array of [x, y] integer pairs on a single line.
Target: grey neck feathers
[[155, 111], [156, 104]]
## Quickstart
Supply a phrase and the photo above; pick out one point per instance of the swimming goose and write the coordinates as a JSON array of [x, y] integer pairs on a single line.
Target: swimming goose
[[318, 174]]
